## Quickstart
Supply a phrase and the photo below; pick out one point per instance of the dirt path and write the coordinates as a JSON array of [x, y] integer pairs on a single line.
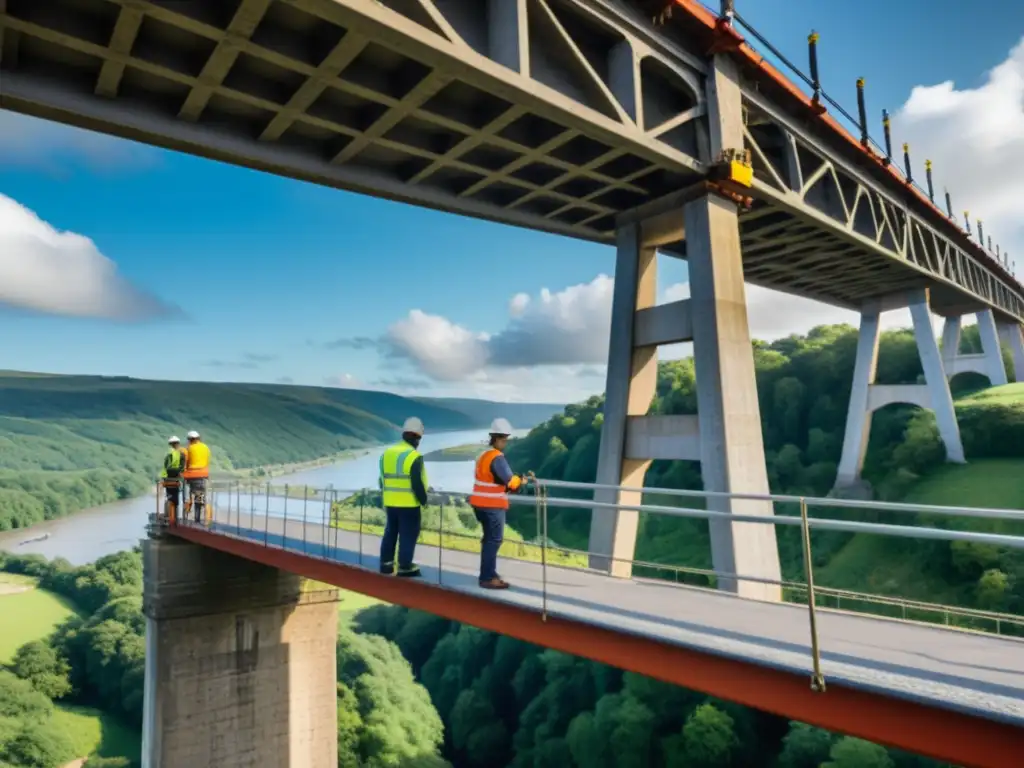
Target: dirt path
[[75, 763], [14, 589]]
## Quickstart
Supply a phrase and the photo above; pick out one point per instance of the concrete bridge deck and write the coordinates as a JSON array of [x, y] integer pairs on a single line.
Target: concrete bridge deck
[[950, 694]]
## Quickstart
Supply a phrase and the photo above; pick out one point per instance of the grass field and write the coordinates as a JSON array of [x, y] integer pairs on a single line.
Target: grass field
[[887, 565], [27, 615], [96, 733]]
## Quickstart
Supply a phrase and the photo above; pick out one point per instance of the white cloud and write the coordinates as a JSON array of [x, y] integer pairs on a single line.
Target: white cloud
[[975, 138], [30, 141], [64, 273]]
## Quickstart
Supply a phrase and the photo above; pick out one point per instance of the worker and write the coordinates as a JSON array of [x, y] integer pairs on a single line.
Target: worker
[[493, 482], [403, 483], [170, 476], [197, 470]]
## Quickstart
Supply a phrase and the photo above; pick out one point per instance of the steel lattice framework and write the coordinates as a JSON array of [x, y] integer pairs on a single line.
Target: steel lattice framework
[[558, 115]]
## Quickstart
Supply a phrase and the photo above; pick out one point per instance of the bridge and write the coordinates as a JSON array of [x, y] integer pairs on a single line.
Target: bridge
[[952, 693], [626, 122]]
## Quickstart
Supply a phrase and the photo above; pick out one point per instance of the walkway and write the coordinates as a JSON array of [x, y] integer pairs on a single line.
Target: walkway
[[972, 674]]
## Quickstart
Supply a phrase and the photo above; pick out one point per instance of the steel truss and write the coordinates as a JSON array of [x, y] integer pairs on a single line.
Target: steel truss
[[553, 114], [558, 115], [822, 226]]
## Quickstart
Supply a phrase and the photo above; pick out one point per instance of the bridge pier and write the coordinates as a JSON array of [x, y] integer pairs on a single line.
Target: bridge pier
[[989, 363], [725, 435], [866, 397], [241, 663]]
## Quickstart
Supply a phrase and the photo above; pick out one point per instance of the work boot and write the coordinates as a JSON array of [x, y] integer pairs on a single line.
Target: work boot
[[495, 583], [387, 569], [410, 572]]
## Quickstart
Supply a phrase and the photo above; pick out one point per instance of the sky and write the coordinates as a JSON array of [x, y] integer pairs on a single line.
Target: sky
[[122, 259]]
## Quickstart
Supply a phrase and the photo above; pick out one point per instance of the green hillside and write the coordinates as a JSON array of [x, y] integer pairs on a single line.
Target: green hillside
[[482, 412], [69, 442]]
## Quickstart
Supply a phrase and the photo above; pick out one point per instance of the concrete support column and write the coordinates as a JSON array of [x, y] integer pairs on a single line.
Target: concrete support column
[[629, 388], [990, 348], [241, 663], [1012, 336], [941, 400], [951, 331], [867, 397], [858, 414], [731, 441]]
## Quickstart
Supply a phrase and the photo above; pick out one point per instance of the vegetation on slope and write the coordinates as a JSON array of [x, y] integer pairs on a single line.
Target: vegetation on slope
[[69, 442], [482, 412]]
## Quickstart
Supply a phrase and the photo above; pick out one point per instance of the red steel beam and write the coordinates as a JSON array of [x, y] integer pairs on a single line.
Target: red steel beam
[[728, 39], [966, 740]]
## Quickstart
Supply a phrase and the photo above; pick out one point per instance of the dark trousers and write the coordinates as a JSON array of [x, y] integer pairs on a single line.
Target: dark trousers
[[173, 495], [493, 523], [197, 487], [402, 529]]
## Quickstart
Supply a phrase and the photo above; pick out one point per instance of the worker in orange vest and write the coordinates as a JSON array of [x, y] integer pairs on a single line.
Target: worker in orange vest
[[493, 482]]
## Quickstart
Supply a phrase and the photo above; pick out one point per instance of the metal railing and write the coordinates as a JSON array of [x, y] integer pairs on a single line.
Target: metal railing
[[312, 520]]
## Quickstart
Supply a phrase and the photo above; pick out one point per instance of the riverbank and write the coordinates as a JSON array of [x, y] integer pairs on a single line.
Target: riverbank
[[464, 452]]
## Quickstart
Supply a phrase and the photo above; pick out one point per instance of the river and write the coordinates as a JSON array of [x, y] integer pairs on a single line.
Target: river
[[92, 533]]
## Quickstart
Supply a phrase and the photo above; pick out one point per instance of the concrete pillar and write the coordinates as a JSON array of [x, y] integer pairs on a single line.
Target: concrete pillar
[[867, 397], [731, 441], [951, 328], [241, 663], [990, 349], [858, 414], [629, 389], [508, 40], [935, 377], [1012, 336]]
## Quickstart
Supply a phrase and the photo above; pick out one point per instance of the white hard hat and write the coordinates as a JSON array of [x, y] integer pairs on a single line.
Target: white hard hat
[[193, 435], [173, 439], [414, 425], [501, 427]]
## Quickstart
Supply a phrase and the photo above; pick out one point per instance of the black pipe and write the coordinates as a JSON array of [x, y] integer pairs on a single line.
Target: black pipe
[[928, 175], [981, 234], [967, 221], [812, 49], [949, 205], [906, 163], [862, 113], [888, 137]]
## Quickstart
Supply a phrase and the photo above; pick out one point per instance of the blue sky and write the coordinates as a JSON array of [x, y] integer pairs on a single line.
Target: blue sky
[[269, 270]]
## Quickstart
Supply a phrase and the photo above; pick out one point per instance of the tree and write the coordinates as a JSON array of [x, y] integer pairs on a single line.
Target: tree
[[38, 744], [709, 740], [398, 721], [40, 665], [850, 752], [805, 747]]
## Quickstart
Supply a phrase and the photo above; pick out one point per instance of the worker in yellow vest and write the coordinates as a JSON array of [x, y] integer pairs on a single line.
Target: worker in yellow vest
[[403, 484], [493, 482], [170, 476], [197, 471]]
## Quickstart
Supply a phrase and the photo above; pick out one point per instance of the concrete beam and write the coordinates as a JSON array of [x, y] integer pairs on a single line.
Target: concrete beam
[[240, 662], [663, 437], [935, 378], [881, 395], [664, 324]]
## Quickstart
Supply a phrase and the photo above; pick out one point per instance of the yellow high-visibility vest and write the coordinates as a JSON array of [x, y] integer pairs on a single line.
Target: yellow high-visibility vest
[[396, 475]]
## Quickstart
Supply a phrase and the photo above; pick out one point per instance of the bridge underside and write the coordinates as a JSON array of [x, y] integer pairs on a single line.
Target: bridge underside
[[963, 739], [558, 115]]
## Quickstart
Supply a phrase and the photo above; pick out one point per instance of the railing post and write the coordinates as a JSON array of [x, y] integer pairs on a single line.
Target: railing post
[[440, 540], [544, 552], [362, 500], [305, 502], [817, 680], [266, 519], [284, 529]]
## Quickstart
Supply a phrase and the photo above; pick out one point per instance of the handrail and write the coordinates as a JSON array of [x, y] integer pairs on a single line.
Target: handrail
[[328, 518]]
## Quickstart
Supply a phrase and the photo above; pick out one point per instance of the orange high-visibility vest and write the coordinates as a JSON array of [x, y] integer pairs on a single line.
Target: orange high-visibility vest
[[487, 493]]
